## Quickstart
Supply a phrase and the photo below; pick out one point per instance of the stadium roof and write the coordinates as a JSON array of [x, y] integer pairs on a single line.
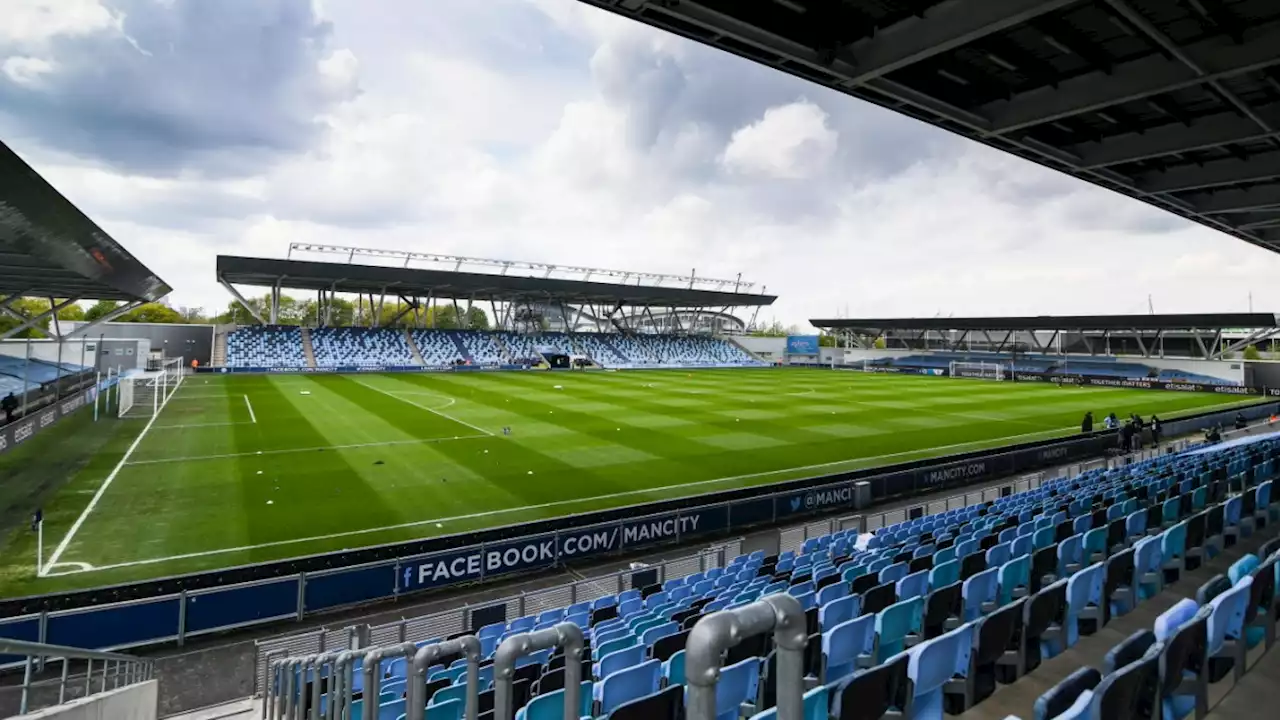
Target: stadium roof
[[1174, 103], [351, 278], [48, 248], [1197, 321]]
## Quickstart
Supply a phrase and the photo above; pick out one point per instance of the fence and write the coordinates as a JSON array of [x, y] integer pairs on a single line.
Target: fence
[[101, 670], [452, 622]]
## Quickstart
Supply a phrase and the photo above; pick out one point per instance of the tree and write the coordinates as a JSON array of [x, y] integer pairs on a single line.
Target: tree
[[477, 319], [100, 309], [151, 313], [443, 317], [193, 315], [71, 313], [773, 329], [1251, 353], [826, 341], [879, 344], [27, 308]]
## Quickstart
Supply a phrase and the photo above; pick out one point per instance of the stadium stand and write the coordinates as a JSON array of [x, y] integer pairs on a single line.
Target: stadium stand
[[438, 348], [360, 347], [372, 347], [265, 346], [1055, 365], [928, 615]]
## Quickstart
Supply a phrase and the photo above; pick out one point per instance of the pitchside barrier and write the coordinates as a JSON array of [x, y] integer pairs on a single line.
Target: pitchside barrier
[[177, 608]]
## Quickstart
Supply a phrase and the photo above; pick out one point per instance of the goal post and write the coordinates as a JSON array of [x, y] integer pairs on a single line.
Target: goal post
[[978, 370], [145, 394]]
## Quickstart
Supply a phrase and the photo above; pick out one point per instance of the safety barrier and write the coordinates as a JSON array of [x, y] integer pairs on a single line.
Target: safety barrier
[[107, 671], [716, 633]]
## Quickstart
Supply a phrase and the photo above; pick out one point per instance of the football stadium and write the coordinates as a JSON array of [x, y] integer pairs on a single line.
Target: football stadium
[[491, 488]]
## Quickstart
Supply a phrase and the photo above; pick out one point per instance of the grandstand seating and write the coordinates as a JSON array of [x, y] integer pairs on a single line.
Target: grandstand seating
[[373, 347], [438, 348], [932, 614], [1056, 365], [360, 347], [265, 346]]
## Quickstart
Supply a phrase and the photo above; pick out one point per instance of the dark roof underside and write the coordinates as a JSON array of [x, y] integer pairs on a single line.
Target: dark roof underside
[[48, 248], [1173, 102], [307, 275], [1197, 321]]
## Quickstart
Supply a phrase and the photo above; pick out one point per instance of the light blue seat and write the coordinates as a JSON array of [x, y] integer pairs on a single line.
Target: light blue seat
[[1135, 525], [549, 706], [453, 692], [893, 573], [998, 555], [1146, 567], [1015, 579], [1180, 699], [944, 573], [1226, 625], [838, 611], [673, 669], [738, 684], [848, 646], [815, 706], [629, 684], [935, 663], [914, 585], [830, 594], [1043, 538], [657, 632], [1095, 545], [1080, 685], [1022, 546], [894, 624], [629, 607], [1084, 602], [620, 660], [981, 594], [1173, 550], [1070, 555], [451, 710]]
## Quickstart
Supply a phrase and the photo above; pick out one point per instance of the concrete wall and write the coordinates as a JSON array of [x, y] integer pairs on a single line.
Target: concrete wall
[[176, 340], [1230, 370], [773, 349], [91, 352], [135, 702]]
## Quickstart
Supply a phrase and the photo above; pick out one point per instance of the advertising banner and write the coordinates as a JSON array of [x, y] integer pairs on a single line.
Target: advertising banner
[[802, 344]]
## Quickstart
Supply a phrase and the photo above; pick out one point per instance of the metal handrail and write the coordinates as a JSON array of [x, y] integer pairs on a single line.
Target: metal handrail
[[716, 633], [564, 635], [122, 669]]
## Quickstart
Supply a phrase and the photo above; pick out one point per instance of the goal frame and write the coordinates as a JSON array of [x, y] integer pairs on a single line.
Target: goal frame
[[978, 370], [130, 402]]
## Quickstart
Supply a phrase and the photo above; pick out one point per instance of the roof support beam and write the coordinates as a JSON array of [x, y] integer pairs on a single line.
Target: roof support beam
[[943, 28], [1211, 174], [121, 310], [1218, 57], [1224, 202], [243, 303], [31, 322], [1212, 131]]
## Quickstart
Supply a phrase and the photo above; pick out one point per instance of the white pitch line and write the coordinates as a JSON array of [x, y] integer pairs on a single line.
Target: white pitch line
[[180, 426], [286, 451], [391, 394], [252, 418], [543, 506], [102, 489]]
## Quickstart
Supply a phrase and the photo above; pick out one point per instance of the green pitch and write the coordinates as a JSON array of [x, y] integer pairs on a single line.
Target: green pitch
[[244, 469]]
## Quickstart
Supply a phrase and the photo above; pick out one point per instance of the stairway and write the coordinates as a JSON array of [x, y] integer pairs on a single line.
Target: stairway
[[246, 709], [413, 348], [219, 358], [307, 349], [503, 350], [734, 341], [462, 348]]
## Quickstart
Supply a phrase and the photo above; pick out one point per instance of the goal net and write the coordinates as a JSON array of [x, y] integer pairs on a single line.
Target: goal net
[[144, 395], [978, 370]]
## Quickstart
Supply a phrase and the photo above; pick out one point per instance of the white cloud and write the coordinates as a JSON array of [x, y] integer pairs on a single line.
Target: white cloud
[[791, 142], [597, 141], [26, 70], [32, 23]]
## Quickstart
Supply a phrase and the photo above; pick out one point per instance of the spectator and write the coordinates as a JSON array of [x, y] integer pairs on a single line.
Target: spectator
[[1086, 425], [10, 405], [1241, 423], [1126, 436], [1155, 430], [1109, 422]]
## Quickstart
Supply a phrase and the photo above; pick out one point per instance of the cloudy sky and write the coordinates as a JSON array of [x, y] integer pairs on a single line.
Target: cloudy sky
[[546, 130]]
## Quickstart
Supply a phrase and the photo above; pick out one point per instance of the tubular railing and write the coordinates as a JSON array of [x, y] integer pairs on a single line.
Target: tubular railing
[[105, 670], [564, 635], [716, 633]]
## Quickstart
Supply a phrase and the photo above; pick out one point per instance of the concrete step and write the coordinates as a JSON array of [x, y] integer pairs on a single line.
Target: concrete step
[[242, 709]]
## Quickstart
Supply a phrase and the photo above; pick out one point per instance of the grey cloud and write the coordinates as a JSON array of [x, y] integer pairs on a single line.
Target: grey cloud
[[215, 85]]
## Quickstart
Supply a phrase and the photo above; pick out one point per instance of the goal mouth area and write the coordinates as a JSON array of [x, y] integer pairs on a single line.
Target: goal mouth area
[[978, 370]]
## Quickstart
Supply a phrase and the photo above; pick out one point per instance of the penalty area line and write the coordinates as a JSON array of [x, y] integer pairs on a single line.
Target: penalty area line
[[286, 451], [553, 504], [420, 406], [252, 418]]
